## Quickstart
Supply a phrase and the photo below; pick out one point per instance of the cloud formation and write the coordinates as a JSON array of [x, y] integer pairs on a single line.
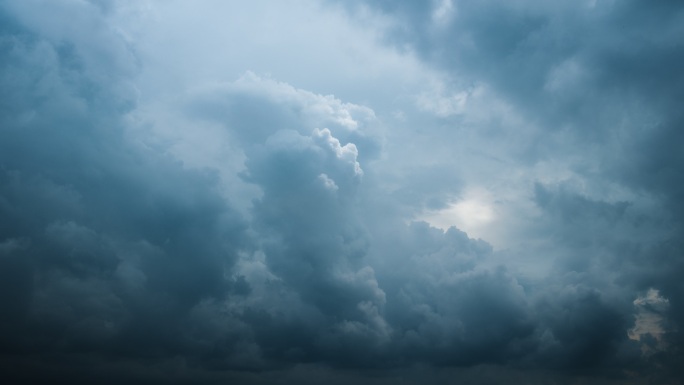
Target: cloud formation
[[248, 230], [598, 82]]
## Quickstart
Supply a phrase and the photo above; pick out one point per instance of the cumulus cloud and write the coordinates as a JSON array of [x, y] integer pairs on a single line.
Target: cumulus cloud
[[593, 100], [108, 241], [248, 230]]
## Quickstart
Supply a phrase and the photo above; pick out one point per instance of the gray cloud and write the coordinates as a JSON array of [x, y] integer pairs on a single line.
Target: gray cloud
[[127, 257], [601, 81], [107, 245]]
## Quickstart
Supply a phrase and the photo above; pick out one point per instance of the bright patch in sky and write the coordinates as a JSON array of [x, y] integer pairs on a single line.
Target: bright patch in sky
[[473, 214], [649, 322]]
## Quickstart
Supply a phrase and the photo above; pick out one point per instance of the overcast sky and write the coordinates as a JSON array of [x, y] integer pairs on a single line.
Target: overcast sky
[[341, 191]]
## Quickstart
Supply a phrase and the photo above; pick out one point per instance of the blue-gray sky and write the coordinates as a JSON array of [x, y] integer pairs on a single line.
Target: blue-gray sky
[[327, 191]]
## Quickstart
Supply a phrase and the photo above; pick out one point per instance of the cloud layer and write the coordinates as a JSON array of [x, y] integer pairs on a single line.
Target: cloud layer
[[207, 227]]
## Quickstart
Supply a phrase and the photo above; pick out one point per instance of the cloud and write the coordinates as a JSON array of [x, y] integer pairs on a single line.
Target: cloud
[[111, 244], [234, 227], [594, 85]]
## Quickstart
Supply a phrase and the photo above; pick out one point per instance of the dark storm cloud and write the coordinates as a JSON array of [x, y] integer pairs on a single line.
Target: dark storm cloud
[[120, 263], [581, 66], [355, 287], [107, 246], [603, 81], [115, 250]]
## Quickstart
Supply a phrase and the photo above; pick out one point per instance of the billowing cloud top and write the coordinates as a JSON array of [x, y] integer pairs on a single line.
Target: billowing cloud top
[[341, 192]]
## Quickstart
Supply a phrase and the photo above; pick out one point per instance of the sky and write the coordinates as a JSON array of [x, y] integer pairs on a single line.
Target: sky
[[341, 191]]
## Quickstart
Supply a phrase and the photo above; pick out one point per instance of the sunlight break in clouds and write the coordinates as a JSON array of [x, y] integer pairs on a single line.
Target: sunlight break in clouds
[[649, 320], [473, 214]]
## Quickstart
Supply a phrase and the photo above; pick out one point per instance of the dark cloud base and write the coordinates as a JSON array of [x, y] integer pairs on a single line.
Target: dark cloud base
[[120, 264]]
